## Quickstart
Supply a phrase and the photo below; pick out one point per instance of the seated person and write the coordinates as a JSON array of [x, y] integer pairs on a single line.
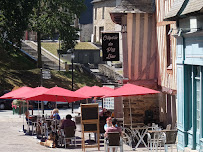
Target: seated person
[[108, 123], [102, 113], [27, 117], [107, 114], [113, 128], [55, 114], [68, 122]]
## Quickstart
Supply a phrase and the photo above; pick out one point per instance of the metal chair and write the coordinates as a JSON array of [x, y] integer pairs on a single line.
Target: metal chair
[[128, 136], [69, 133], [156, 140], [114, 141], [170, 139]]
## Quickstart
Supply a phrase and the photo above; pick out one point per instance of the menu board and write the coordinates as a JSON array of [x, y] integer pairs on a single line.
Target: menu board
[[89, 112], [110, 46]]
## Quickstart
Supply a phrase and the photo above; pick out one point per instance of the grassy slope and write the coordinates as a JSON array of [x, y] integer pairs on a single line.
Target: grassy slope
[[16, 70], [52, 47]]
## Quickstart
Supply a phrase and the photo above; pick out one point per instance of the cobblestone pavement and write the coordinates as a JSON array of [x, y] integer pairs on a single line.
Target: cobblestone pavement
[[12, 140]]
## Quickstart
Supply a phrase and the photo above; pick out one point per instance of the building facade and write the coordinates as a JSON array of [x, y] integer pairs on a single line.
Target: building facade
[[101, 18], [149, 55], [166, 49], [188, 15], [86, 22]]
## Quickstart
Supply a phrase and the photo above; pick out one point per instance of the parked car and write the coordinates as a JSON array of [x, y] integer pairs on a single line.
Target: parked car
[[62, 104], [5, 103], [49, 104]]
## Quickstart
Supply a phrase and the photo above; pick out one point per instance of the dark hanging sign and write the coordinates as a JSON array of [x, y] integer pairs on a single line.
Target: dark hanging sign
[[110, 46]]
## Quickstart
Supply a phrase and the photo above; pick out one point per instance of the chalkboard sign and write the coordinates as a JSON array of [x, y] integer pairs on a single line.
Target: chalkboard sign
[[90, 122], [110, 46], [89, 113], [90, 127]]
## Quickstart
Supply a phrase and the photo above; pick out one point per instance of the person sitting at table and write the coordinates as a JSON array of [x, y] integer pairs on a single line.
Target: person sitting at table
[[55, 114], [102, 113], [107, 114], [27, 117], [108, 123], [113, 128], [67, 122]]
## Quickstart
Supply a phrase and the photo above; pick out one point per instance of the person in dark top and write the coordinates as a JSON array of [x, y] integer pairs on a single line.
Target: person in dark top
[[68, 122]]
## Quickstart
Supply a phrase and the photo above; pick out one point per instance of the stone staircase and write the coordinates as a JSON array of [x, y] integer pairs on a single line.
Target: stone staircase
[[48, 60]]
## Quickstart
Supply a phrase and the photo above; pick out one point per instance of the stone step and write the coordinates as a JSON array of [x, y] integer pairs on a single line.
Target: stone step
[[46, 61]]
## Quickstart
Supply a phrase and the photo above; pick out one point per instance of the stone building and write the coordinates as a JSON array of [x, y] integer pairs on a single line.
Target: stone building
[[86, 22], [101, 18]]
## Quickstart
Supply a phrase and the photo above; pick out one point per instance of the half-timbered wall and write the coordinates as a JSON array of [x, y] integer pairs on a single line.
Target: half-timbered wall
[[166, 49], [140, 57], [167, 75]]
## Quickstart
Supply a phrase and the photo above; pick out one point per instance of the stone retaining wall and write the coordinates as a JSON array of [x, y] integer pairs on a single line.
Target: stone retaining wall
[[109, 72]]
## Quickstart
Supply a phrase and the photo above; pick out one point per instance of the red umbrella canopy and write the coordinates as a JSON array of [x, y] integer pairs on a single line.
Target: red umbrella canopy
[[108, 88], [16, 92], [58, 94], [94, 91], [130, 90], [34, 92]]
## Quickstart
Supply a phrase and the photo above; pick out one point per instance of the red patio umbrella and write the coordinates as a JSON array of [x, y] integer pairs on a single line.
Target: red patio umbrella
[[130, 90], [58, 94], [33, 92], [108, 88], [94, 91], [16, 92]]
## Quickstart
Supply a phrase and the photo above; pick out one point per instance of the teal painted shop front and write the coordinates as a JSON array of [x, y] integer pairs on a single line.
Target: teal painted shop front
[[190, 90], [188, 15]]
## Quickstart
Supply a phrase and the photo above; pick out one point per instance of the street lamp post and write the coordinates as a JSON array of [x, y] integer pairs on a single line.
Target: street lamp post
[[70, 51], [72, 58]]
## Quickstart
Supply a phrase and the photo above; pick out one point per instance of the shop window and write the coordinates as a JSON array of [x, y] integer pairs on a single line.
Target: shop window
[[168, 47], [198, 102], [95, 13], [100, 32], [103, 10], [197, 93]]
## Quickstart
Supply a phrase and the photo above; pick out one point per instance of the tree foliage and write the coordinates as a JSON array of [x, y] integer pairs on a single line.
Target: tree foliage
[[58, 16], [14, 17], [52, 16], [41, 16]]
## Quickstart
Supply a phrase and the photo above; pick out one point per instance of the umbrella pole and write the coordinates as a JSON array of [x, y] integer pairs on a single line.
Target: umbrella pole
[[23, 120], [23, 117], [28, 117], [123, 112], [42, 108], [38, 107], [56, 102], [86, 100], [130, 112]]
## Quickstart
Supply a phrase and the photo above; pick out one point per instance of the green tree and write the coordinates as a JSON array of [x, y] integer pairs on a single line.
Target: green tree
[[56, 15], [14, 18]]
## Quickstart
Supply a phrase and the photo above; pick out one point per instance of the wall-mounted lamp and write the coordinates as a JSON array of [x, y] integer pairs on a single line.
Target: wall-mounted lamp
[[169, 32], [179, 32]]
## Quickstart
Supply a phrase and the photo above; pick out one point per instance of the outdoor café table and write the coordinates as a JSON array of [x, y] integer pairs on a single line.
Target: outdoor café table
[[139, 133]]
